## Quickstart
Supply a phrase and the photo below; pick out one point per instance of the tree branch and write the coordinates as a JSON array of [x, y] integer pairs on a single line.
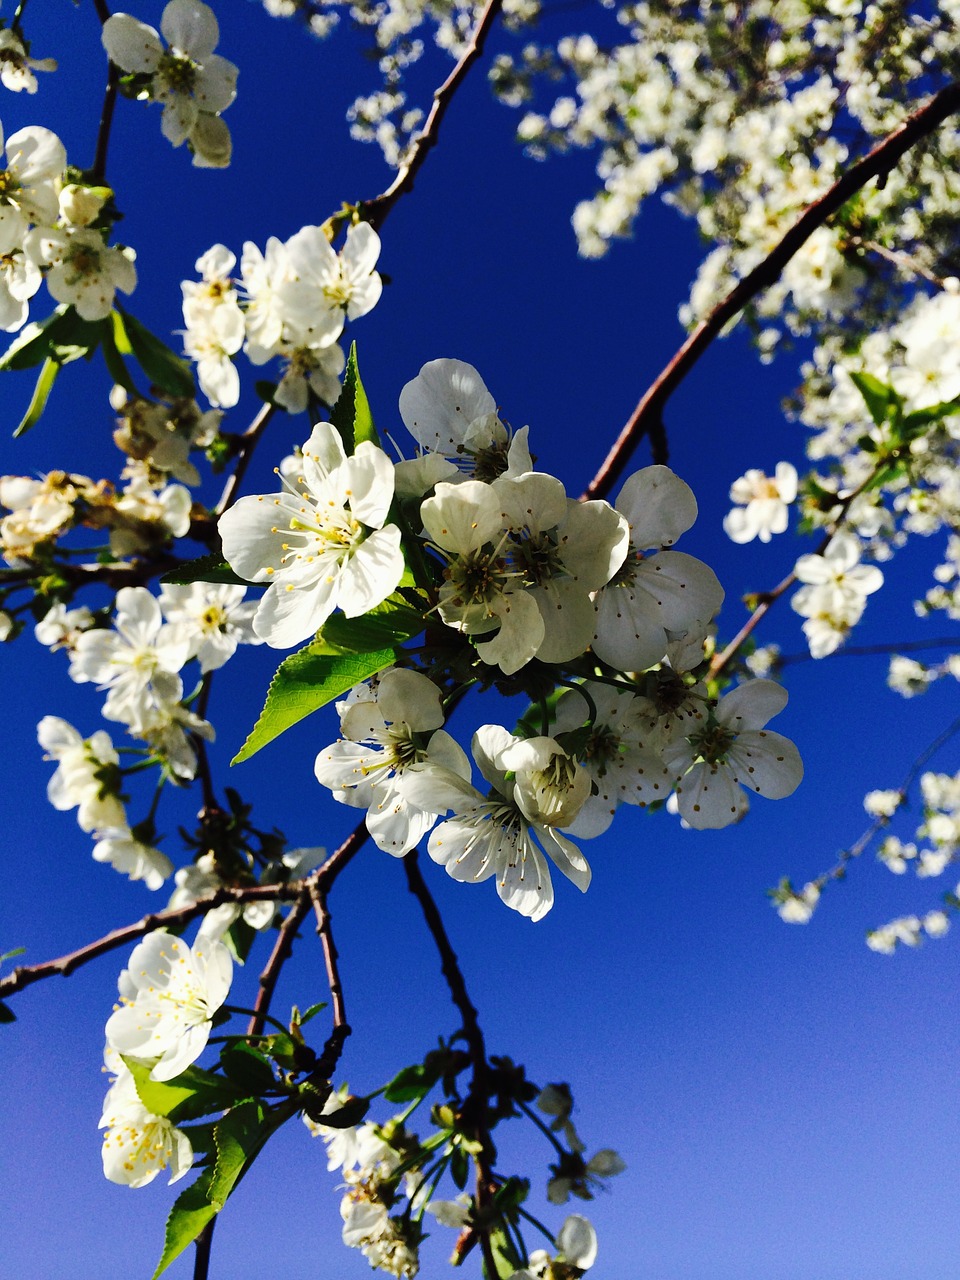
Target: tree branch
[[248, 442], [479, 1091], [282, 950], [25, 975], [376, 210], [647, 417]]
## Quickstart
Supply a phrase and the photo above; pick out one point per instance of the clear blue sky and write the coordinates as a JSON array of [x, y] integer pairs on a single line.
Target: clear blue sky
[[785, 1100]]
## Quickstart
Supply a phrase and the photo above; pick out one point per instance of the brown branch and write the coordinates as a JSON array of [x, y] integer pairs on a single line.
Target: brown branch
[[871, 650], [647, 417], [479, 1091], [330, 955], [26, 975], [282, 950], [376, 210], [98, 170], [248, 442]]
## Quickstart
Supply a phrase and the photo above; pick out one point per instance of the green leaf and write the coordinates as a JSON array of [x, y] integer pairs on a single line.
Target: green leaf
[[876, 396], [113, 355], [247, 1067], [17, 951], [238, 1138], [413, 1082], [303, 1018], [209, 568], [303, 683], [194, 1093], [505, 1256], [41, 394], [351, 414], [62, 331], [389, 624], [164, 368]]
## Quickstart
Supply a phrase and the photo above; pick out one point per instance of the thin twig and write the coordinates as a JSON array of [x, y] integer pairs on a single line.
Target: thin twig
[[330, 953], [282, 949], [98, 169], [376, 210], [203, 1243], [647, 417], [248, 442], [26, 975], [479, 1094], [871, 650], [838, 870]]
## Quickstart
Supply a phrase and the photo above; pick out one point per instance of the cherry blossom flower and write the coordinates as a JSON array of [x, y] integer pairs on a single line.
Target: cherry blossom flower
[[136, 662], [139, 1145], [482, 591], [188, 78], [652, 595], [449, 412], [132, 857], [620, 755], [492, 835], [82, 270], [762, 503], [395, 726], [216, 618], [36, 159], [731, 750], [87, 776], [174, 991], [16, 69], [834, 594], [322, 544]]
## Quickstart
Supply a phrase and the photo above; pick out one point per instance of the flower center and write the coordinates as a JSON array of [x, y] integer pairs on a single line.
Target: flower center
[[177, 73]]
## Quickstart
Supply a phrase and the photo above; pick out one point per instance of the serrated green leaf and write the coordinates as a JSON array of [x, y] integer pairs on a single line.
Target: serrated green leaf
[[41, 394], [303, 683], [238, 1139], [351, 414], [390, 624], [190, 1213], [194, 1093], [164, 368], [877, 396], [209, 568]]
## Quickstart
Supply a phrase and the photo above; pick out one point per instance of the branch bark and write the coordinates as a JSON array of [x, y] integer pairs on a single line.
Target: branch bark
[[647, 417], [376, 210]]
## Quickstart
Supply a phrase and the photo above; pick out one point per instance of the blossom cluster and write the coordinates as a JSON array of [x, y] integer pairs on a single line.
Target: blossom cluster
[[528, 584], [290, 301]]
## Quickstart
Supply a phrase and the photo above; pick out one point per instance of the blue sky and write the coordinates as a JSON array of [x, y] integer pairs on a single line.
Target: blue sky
[[784, 1099]]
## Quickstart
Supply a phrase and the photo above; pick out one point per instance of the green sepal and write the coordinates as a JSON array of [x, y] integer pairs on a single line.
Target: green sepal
[[192, 1094], [238, 1139], [208, 568], [505, 1256], [305, 682], [164, 368], [351, 414]]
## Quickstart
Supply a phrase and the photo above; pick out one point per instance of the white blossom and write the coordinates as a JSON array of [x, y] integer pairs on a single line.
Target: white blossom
[[322, 544], [138, 1145], [175, 991], [762, 504]]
